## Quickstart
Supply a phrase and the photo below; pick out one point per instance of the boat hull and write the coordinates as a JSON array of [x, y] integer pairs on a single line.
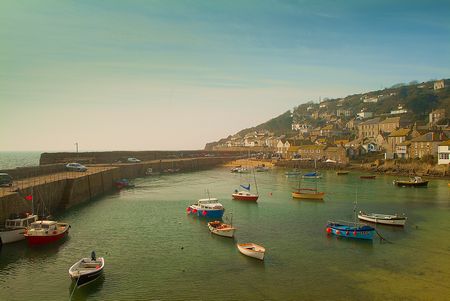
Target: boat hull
[[394, 221], [364, 232], [85, 278], [11, 235], [225, 232], [251, 198], [342, 173], [205, 213], [411, 184], [367, 177], [249, 250], [308, 196], [48, 238]]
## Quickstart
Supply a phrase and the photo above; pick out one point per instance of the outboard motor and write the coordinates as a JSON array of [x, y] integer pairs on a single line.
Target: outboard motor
[[93, 257]]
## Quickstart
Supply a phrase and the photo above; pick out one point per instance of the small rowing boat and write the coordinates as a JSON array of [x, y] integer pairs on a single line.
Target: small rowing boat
[[342, 173], [367, 177], [252, 250], [385, 219], [87, 270], [221, 229]]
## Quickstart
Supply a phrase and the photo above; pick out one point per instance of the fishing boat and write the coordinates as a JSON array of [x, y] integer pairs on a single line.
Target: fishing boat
[[342, 173], [87, 270], [15, 227], [308, 194], [350, 230], [45, 231], [123, 183], [412, 182], [209, 208], [311, 175], [252, 250], [368, 177], [385, 219], [221, 229]]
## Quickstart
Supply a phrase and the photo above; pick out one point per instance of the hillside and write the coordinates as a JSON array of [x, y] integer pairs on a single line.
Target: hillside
[[418, 99]]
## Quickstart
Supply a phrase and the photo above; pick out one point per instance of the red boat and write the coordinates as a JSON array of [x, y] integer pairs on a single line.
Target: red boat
[[245, 196], [43, 232]]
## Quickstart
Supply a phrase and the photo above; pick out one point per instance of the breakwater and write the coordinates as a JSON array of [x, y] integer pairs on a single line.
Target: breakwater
[[59, 190]]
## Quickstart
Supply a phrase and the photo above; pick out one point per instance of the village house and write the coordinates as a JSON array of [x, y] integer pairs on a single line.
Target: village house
[[337, 153], [282, 147], [327, 130], [439, 84], [312, 152], [436, 115], [426, 144], [343, 112], [301, 127], [389, 124], [444, 153], [397, 137], [369, 128], [364, 115], [402, 150], [400, 110]]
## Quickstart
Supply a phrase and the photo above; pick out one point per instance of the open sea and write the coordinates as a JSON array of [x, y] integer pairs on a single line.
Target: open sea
[[9, 160], [154, 251]]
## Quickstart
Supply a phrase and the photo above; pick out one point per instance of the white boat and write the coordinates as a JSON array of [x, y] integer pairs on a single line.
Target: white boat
[[15, 228], [221, 229], [385, 219], [87, 270], [252, 250]]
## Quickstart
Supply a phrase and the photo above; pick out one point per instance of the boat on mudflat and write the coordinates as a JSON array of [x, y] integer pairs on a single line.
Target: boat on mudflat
[[308, 194], [45, 231], [412, 182], [87, 270], [385, 219], [221, 229], [15, 227], [209, 208], [252, 250], [350, 230], [368, 177]]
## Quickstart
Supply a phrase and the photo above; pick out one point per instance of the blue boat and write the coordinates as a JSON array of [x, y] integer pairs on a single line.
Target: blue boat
[[350, 230], [209, 208], [311, 175]]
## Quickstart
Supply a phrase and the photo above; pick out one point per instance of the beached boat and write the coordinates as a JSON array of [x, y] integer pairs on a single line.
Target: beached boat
[[350, 230], [252, 250], [87, 270], [385, 219], [209, 208], [342, 173], [15, 227], [123, 183], [412, 182], [311, 175], [308, 194], [221, 229], [45, 231], [368, 177]]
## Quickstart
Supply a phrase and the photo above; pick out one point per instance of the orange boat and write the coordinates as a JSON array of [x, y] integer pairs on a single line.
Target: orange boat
[[308, 194]]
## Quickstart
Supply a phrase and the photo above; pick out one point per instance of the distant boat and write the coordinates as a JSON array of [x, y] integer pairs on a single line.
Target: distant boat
[[246, 195], [311, 175], [209, 208], [385, 219], [342, 173], [151, 172], [252, 250], [15, 227], [45, 231], [292, 173], [308, 194], [367, 177], [221, 229], [350, 230], [412, 182], [87, 270], [261, 168], [123, 183]]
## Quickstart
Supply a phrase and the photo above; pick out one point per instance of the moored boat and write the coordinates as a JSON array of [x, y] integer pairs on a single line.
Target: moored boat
[[87, 270], [209, 208], [252, 250], [350, 230], [367, 177], [311, 175], [221, 229], [412, 182], [308, 194], [385, 219], [342, 173], [15, 227], [45, 231], [244, 196], [123, 183]]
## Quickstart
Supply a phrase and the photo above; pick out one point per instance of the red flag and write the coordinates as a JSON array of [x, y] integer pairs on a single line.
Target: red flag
[[29, 197]]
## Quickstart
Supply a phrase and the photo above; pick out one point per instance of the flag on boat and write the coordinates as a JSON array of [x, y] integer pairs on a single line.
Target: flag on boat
[[246, 187], [29, 197]]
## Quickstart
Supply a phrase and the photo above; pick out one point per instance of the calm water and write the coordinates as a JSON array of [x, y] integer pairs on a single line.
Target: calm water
[[154, 251], [10, 160]]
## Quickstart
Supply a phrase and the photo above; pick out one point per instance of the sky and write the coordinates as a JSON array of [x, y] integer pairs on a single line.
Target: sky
[[173, 75]]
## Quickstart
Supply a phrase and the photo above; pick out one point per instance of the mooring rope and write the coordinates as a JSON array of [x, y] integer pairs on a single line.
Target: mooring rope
[[75, 287], [382, 238]]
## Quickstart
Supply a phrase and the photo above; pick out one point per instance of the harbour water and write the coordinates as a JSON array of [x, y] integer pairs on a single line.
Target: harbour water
[[154, 251]]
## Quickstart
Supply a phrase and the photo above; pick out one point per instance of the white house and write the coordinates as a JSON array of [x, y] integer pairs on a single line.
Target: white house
[[444, 153], [364, 115]]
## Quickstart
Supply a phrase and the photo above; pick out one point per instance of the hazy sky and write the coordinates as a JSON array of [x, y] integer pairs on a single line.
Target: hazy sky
[[142, 75]]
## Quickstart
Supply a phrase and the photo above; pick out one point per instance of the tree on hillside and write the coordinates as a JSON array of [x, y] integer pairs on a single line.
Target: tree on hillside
[[423, 104]]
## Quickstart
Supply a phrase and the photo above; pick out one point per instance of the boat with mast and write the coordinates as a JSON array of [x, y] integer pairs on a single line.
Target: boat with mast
[[314, 174], [307, 193], [246, 195]]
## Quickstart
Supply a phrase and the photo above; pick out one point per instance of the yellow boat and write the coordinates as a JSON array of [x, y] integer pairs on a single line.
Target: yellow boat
[[308, 194]]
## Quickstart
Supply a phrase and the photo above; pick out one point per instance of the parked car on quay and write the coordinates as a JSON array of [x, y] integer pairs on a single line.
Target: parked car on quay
[[5, 180], [76, 167], [133, 160]]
